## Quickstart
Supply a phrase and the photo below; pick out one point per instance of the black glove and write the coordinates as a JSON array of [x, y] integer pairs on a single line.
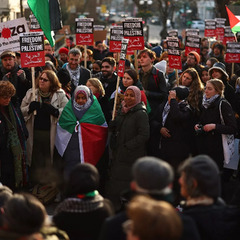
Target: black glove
[[51, 109], [34, 105]]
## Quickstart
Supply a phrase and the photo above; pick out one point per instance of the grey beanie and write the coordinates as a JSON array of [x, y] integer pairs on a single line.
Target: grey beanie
[[205, 171], [152, 174]]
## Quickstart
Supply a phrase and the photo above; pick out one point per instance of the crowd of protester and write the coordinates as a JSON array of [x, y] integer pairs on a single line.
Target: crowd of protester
[[120, 159]]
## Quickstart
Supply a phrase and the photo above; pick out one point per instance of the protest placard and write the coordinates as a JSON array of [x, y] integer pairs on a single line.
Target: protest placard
[[34, 25], [9, 34], [192, 43], [220, 24], [173, 33], [228, 35], [116, 36], [233, 52], [84, 31], [210, 28], [133, 30], [174, 54], [123, 53], [32, 49]]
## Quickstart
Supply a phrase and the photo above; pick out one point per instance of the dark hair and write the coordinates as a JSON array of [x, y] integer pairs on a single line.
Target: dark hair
[[53, 59], [98, 62], [212, 60], [133, 74], [195, 89], [203, 69], [205, 172], [49, 65], [83, 178], [64, 77], [24, 214], [110, 60]]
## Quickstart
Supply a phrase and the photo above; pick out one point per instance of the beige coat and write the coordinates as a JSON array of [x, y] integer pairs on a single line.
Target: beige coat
[[58, 101]]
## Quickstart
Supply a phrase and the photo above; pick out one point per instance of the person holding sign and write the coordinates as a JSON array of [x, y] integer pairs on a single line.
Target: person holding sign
[[153, 80], [48, 104]]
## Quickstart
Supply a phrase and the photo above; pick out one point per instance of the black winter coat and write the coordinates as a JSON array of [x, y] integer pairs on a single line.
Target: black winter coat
[[132, 129], [215, 222], [176, 148], [210, 143]]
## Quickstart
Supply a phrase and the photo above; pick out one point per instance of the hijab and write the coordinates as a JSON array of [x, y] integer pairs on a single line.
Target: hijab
[[137, 94], [79, 110]]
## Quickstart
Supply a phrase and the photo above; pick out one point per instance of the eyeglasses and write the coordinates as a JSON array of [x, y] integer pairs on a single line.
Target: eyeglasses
[[127, 226], [43, 79]]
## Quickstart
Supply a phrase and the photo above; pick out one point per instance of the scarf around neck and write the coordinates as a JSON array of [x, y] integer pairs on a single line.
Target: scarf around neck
[[75, 74], [206, 102]]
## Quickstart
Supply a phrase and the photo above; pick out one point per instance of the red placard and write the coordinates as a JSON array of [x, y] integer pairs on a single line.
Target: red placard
[[189, 49], [135, 43], [68, 42], [133, 30], [233, 52], [121, 63], [232, 58], [228, 39], [116, 36], [84, 39], [121, 67], [220, 34], [174, 54], [115, 46], [175, 61], [84, 31], [32, 49]]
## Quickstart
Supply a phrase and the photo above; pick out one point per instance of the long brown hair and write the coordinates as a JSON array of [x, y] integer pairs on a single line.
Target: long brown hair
[[52, 77], [196, 88]]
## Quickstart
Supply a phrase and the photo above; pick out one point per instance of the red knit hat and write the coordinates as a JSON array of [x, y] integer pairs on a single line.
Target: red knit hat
[[196, 55], [63, 50]]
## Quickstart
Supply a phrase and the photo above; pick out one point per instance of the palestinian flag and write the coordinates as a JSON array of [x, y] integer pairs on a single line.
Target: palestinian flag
[[234, 21], [48, 14], [92, 132]]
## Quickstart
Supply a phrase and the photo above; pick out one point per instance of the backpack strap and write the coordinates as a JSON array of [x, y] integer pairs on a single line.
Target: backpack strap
[[155, 77]]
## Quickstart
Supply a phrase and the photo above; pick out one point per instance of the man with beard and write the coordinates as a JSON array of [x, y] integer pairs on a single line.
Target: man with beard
[[10, 71], [109, 76], [79, 74]]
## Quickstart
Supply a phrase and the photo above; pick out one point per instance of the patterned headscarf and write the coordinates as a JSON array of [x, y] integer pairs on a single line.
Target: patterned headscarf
[[79, 110]]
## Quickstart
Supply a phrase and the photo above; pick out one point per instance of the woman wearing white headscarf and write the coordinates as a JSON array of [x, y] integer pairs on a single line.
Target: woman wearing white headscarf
[[131, 131], [82, 130]]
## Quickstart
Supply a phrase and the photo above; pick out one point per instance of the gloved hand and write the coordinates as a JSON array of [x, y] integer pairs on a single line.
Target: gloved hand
[[51, 109], [34, 105]]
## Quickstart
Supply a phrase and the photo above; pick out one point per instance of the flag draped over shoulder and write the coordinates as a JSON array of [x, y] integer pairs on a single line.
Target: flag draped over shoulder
[[233, 20], [45, 14], [91, 128]]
